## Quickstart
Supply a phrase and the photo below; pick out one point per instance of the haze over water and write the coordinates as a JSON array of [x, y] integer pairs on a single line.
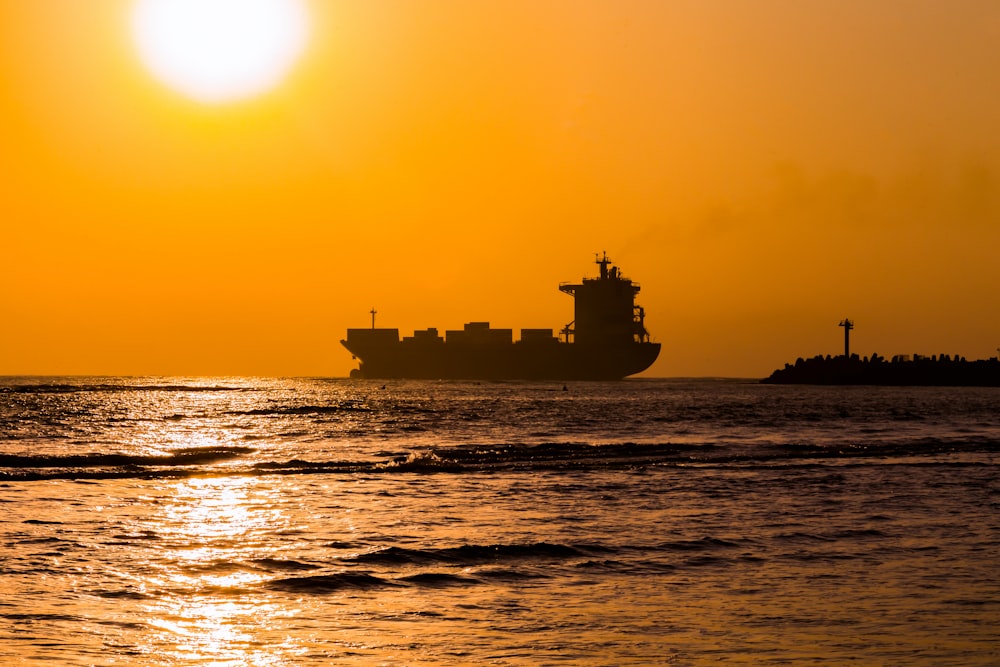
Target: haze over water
[[229, 521]]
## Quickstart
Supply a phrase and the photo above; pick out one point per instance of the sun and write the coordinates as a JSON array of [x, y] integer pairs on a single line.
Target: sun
[[217, 51]]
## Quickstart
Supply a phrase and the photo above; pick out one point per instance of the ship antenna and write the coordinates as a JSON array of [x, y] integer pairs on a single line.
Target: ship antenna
[[373, 312], [603, 261]]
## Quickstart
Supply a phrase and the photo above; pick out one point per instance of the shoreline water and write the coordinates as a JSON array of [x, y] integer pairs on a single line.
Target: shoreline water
[[652, 522]]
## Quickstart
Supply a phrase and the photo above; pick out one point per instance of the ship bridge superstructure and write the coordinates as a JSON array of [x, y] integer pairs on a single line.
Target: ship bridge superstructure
[[605, 312]]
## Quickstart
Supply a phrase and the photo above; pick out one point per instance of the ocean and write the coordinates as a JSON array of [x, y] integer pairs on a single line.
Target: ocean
[[266, 522]]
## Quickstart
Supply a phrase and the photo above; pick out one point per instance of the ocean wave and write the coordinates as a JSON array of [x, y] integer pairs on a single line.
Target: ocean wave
[[324, 584], [125, 594], [439, 579], [703, 544], [498, 559], [64, 388], [71, 618], [555, 455], [199, 461], [329, 583], [474, 554], [283, 564], [181, 457], [476, 564], [301, 410], [509, 575]]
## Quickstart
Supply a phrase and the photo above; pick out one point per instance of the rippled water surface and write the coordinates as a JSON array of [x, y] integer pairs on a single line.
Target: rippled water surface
[[233, 521]]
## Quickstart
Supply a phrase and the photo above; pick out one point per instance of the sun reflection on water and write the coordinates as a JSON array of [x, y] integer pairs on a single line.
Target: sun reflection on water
[[216, 532]]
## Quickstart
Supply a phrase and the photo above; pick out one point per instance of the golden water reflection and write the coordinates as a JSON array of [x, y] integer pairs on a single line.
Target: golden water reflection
[[211, 610]]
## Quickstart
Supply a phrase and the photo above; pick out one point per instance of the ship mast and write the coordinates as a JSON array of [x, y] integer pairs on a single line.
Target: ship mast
[[604, 262]]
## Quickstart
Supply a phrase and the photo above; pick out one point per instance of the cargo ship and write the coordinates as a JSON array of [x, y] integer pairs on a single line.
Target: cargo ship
[[607, 340]]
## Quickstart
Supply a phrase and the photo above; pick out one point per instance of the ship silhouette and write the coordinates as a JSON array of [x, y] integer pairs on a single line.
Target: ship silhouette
[[607, 340]]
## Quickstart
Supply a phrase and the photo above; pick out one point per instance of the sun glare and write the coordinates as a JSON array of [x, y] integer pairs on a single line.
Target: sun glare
[[219, 50]]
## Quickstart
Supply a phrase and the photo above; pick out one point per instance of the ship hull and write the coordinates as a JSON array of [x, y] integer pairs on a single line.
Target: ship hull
[[512, 361]]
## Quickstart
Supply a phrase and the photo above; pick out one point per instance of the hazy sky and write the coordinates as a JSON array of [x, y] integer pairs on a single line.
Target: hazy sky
[[763, 168]]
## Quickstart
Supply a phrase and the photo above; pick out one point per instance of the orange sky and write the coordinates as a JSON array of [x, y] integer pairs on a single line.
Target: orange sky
[[763, 168]]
